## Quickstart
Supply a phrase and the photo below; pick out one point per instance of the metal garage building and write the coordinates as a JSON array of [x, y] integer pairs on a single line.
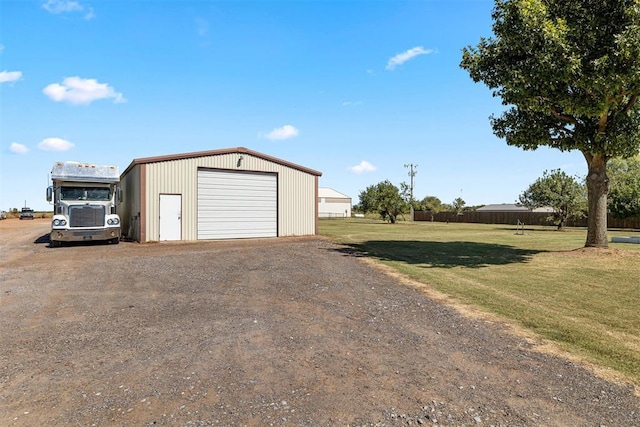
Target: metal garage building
[[220, 194], [332, 204]]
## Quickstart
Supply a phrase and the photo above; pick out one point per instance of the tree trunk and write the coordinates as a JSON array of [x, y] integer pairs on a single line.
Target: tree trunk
[[597, 191]]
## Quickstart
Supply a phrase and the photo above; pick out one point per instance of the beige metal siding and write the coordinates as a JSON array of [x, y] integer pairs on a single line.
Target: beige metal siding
[[297, 203], [296, 191], [129, 210]]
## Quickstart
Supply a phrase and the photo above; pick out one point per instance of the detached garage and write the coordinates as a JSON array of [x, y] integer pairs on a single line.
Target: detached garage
[[220, 194]]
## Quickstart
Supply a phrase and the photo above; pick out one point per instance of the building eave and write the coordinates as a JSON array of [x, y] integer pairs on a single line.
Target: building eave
[[238, 150]]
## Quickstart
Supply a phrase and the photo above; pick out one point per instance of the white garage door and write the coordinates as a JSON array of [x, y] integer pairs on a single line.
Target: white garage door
[[235, 205]]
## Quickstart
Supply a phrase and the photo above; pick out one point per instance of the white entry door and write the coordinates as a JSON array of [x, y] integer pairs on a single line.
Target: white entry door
[[170, 217]]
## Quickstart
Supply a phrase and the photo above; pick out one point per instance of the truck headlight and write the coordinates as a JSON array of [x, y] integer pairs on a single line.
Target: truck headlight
[[113, 221], [59, 222]]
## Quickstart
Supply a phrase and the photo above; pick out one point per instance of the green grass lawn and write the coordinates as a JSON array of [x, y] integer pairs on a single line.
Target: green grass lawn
[[586, 301]]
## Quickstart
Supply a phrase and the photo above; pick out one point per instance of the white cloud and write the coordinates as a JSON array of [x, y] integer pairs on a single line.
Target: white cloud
[[403, 57], [10, 76], [76, 90], [55, 144], [285, 132], [18, 148], [1, 47], [364, 166], [62, 6], [68, 6]]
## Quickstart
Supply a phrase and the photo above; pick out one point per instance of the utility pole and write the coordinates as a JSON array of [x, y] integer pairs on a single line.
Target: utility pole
[[412, 173]]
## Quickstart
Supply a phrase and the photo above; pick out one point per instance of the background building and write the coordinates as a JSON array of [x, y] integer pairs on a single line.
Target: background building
[[332, 204]]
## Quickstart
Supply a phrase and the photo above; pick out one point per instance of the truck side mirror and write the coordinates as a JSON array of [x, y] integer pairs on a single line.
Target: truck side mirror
[[119, 194], [49, 194]]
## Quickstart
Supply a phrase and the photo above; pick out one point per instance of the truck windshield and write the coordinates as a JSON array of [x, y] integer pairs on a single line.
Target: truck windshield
[[85, 193]]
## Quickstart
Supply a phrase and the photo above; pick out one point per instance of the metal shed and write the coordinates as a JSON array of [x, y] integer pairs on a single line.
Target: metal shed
[[219, 194]]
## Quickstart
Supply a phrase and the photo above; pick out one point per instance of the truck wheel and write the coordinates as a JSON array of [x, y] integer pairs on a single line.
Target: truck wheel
[[56, 243], [115, 241]]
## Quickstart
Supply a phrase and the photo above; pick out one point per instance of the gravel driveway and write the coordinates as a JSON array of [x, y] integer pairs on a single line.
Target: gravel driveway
[[283, 332]]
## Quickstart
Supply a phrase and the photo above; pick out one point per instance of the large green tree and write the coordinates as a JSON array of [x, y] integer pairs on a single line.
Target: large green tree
[[624, 198], [556, 190], [384, 198], [568, 72]]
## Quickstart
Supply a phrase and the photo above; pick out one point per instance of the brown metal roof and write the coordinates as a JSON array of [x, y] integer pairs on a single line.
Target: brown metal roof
[[241, 150]]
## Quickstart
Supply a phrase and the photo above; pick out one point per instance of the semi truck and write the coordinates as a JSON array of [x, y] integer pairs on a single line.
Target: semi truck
[[84, 198]]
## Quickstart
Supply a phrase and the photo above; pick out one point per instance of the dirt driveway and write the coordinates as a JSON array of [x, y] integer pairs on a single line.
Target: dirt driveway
[[277, 332]]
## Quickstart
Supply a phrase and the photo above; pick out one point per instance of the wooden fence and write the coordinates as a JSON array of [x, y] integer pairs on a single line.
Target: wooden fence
[[528, 218]]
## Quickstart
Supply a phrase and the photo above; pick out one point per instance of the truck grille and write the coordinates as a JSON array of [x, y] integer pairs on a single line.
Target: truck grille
[[86, 216]]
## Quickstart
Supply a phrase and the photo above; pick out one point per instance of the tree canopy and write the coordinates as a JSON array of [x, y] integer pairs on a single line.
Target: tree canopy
[[458, 205], [624, 197], [556, 190], [431, 203], [568, 73], [384, 198]]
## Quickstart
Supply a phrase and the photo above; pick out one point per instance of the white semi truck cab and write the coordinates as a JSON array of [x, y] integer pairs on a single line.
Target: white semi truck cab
[[84, 200]]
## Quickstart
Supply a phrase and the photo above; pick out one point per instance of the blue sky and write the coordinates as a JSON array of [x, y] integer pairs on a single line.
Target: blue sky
[[354, 89]]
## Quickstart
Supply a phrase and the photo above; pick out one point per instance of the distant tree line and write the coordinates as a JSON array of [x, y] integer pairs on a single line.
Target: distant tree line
[[390, 202], [565, 194]]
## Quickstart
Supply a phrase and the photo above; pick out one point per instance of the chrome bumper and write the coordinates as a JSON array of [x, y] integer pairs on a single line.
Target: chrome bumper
[[85, 234]]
